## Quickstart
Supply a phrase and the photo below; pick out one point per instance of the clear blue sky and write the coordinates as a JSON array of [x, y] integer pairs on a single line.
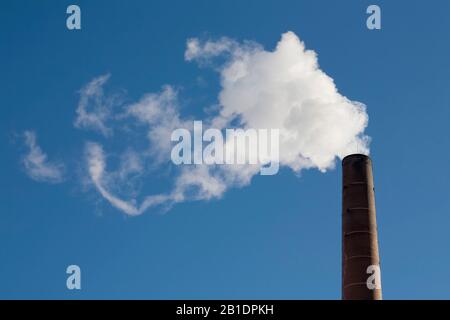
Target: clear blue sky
[[278, 237]]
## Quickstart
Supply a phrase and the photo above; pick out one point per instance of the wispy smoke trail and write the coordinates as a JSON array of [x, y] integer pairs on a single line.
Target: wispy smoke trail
[[36, 162]]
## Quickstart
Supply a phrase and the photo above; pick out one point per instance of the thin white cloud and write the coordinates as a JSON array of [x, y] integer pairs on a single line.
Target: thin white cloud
[[131, 163], [159, 112], [96, 165], [195, 50], [94, 109], [36, 164], [203, 52], [194, 183]]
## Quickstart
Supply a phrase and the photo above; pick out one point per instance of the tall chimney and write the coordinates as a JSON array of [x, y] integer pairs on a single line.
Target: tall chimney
[[360, 258]]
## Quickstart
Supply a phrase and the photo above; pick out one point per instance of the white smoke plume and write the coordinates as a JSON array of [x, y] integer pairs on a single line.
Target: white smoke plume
[[286, 89], [282, 89]]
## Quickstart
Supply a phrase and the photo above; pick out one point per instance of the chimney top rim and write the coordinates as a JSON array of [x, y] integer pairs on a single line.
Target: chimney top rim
[[356, 155]]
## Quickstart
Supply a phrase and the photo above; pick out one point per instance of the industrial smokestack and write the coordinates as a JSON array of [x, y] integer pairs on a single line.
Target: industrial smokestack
[[360, 258]]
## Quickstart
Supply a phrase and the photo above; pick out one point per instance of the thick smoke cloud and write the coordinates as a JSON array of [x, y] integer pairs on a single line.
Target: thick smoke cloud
[[281, 89], [286, 89]]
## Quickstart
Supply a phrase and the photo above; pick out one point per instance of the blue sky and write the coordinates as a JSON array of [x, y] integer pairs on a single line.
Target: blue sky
[[276, 238]]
